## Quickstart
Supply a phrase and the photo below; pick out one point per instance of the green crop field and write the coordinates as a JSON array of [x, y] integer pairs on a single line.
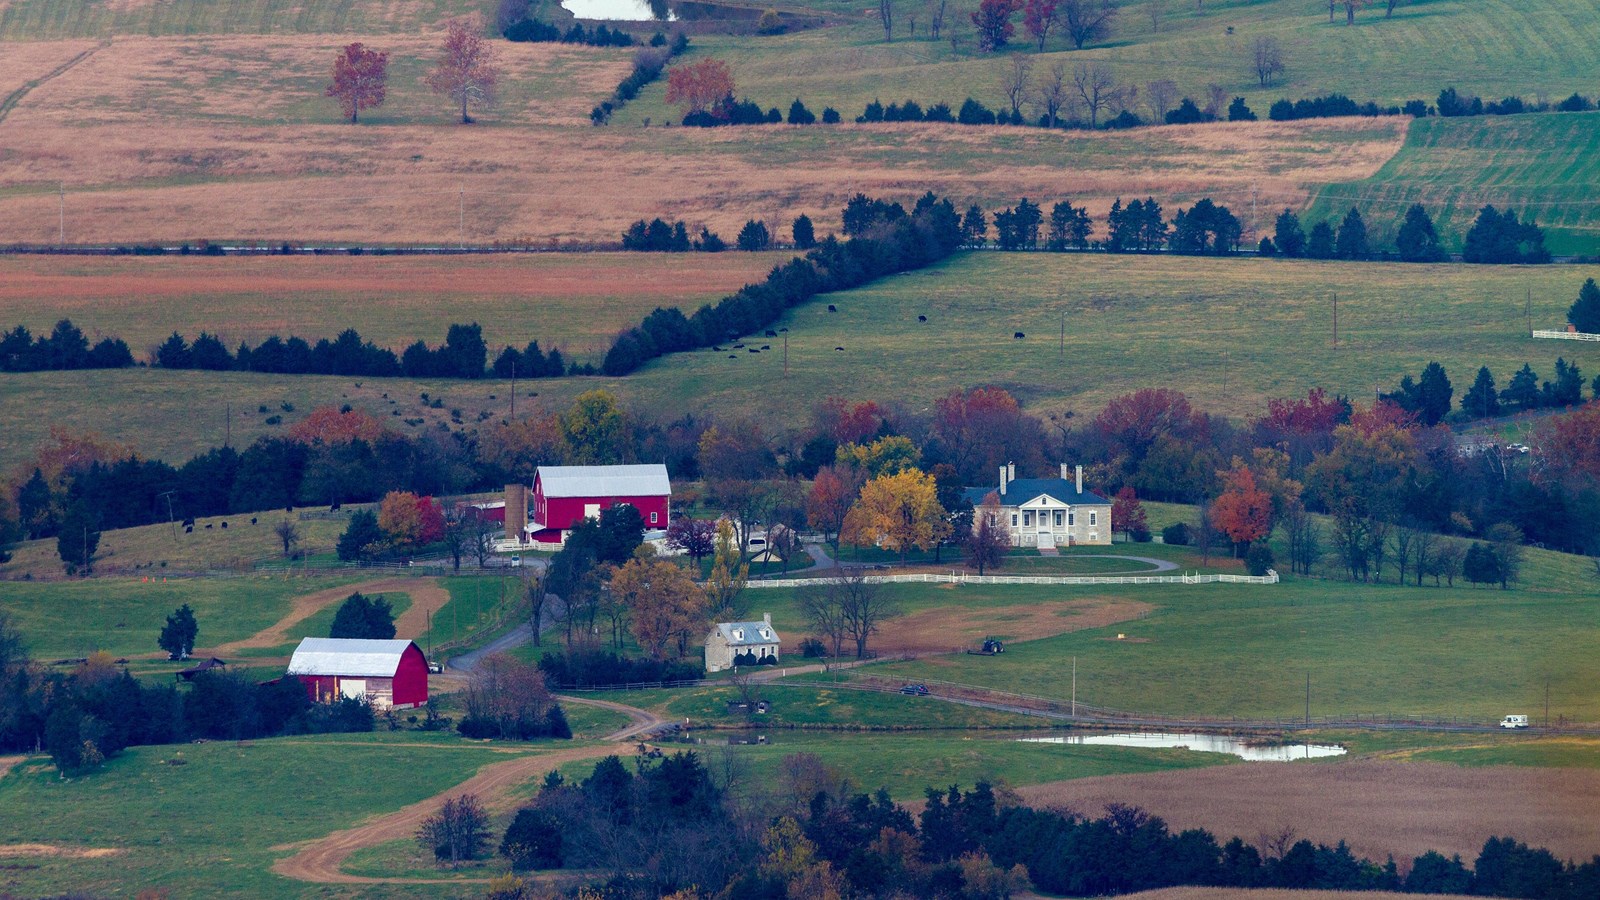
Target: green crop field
[[1543, 166], [1229, 333], [1228, 650], [215, 825]]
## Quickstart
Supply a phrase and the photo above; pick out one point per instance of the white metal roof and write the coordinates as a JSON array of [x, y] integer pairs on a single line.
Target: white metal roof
[[347, 656], [745, 634], [605, 481]]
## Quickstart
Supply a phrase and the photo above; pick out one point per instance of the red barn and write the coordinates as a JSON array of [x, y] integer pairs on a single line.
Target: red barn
[[563, 496], [385, 673]]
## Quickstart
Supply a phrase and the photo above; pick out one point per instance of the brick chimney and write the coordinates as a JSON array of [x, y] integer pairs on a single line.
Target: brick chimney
[[1002, 481]]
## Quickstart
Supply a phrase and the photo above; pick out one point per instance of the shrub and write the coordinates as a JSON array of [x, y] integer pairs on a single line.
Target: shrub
[[811, 648], [1177, 534], [1258, 559], [533, 841]]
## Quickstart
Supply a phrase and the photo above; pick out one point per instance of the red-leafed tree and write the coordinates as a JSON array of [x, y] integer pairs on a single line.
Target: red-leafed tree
[[1127, 513], [1132, 422], [832, 494], [466, 73], [697, 86], [849, 423], [360, 77], [992, 21], [1039, 17], [983, 428], [1243, 511]]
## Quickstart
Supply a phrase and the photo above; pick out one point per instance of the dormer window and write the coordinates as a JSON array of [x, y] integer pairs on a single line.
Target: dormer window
[[738, 634]]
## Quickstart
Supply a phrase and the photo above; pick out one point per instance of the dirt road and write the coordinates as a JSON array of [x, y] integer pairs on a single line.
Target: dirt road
[[320, 860], [425, 593]]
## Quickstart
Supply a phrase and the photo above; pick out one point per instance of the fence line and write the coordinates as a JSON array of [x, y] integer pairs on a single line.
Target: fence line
[[1566, 336], [953, 578]]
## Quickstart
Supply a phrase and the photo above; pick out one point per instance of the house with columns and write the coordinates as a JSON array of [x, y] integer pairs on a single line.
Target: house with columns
[[1044, 512]]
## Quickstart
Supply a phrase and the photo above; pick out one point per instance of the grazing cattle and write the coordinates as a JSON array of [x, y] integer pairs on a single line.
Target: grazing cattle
[[836, 348], [771, 333], [252, 520], [335, 507], [208, 526], [1019, 336], [733, 356], [832, 308], [738, 346], [922, 318], [783, 329], [224, 525], [752, 350], [766, 346], [188, 529]]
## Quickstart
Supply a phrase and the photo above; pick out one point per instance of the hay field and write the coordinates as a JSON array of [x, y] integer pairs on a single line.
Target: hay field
[[55, 19], [228, 138], [572, 301], [1544, 166], [1380, 808]]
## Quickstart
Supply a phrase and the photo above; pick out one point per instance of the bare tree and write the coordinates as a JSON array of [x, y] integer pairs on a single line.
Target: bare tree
[[466, 73], [1403, 539], [1087, 20], [864, 606], [480, 533], [1014, 81], [288, 534], [1159, 97], [1097, 88], [538, 598], [1156, 10], [455, 537], [1423, 550], [823, 606], [1052, 94], [990, 539], [1304, 538], [886, 16], [1266, 56], [1388, 12], [458, 831], [1216, 101], [748, 689], [936, 12]]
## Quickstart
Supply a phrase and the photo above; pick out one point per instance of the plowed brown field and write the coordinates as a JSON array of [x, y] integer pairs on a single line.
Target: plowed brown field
[[1379, 808]]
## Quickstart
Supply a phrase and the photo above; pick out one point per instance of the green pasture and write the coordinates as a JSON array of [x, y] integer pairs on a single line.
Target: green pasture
[[215, 825], [1540, 166], [1227, 650], [1230, 333], [124, 616], [476, 602], [1566, 753], [47, 19], [318, 625], [1491, 48]]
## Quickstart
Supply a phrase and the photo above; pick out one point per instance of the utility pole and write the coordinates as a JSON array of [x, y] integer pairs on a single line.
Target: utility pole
[[170, 519], [461, 217], [227, 428], [61, 214], [1074, 687], [1252, 209], [1527, 310], [1061, 348], [786, 354], [1336, 320], [513, 390], [1308, 698]]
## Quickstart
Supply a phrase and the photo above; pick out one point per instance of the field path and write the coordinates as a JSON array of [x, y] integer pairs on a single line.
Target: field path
[[15, 97], [7, 763], [320, 861], [426, 596]]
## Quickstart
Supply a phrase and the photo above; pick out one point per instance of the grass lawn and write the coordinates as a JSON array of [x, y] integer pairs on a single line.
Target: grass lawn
[[476, 602], [810, 702], [1368, 649], [1541, 166], [215, 825], [1568, 753], [123, 616], [319, 623]]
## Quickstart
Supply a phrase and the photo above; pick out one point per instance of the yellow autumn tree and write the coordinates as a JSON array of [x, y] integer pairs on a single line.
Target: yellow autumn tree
[[728, 571], [663, 602], [898, 512]]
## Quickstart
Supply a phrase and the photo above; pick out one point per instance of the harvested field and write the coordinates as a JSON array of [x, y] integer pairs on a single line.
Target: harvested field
[[956, 626], [189, 169], [575, 302], [1378, 807], [56, 851], [23, 66]]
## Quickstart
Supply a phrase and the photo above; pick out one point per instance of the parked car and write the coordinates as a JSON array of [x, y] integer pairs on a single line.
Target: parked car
[[915, 690], [435, 667]]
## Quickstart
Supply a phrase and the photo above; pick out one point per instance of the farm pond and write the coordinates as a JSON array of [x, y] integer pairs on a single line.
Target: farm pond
[[1248, 749]]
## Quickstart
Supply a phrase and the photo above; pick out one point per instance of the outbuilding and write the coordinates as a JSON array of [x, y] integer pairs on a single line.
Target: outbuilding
[[384, 673], [563, 496]]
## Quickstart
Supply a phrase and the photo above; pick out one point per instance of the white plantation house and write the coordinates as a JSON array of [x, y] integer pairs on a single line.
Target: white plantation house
[[1045, 512], [729, 640]]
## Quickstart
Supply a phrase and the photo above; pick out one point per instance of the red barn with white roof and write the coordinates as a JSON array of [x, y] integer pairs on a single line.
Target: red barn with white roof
[[563, 496], [385, 673]]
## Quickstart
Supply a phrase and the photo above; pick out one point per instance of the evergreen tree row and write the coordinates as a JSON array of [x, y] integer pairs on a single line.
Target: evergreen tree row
[[535, 30], [1495, 237], [887, 242], [63, 348]]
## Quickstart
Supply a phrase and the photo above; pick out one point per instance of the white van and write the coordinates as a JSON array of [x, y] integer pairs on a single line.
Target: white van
[[1514, 722]]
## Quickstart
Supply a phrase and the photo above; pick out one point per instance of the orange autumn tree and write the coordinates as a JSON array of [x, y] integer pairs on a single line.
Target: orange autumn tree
[[331, 425], [698, 86], [410, 520], [466, 73], [832, 494], [1242, 511]]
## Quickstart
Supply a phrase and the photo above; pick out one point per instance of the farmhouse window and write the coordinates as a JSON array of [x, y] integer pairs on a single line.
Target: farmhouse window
[[1027, 519], [1072, 519], [1093, 517], [991, 518], [1013, 520], [1058, 518]]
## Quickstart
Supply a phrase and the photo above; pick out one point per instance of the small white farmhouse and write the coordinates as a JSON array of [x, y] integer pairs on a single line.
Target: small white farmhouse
[[729, 640], [1045, 512]]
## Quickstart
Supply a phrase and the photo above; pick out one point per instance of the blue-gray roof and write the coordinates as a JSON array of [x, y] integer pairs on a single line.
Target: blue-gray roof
[[1022, 490]]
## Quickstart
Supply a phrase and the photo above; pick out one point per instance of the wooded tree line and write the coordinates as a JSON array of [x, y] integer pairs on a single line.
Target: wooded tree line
[[464, 354], [889, 240], [89, 714], [810, 833]]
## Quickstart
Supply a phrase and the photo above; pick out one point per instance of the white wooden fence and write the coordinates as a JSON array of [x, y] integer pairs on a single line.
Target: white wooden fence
[[954, 578], [1566, 336]]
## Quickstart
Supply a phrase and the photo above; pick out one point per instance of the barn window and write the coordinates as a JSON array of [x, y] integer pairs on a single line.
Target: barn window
[[653, 518]]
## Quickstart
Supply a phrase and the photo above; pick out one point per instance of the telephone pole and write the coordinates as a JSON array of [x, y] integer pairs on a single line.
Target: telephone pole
[[461, 218], [1335, 320], [1074, 687], [513, 390], [170, 518], [61, 214], [786, 354], [1527, 310], [1308, 698]]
